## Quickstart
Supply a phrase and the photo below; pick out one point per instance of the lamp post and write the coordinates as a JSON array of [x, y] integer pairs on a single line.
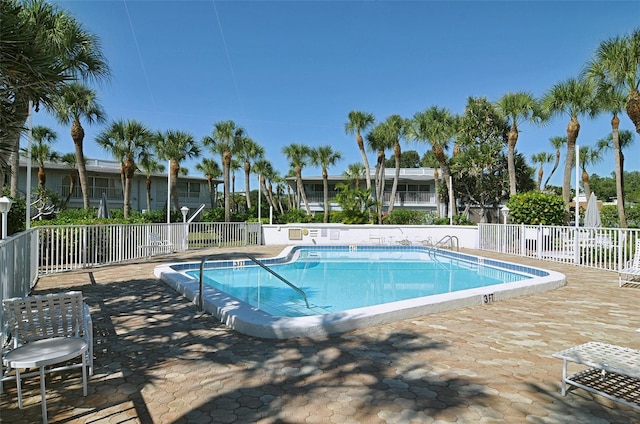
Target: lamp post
[[5, 206], [185, 211], [505, 213]]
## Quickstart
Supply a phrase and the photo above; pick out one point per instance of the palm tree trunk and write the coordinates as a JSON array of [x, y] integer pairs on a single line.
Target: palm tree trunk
[[22, 113], [247, 189], [555, 166], [325, 193], [585, 184], [511, 161], [129, 171], [435, 190], [394, 188], [42, 177], [148, 184], [365, 161], [77, 134], [615, 135], [301, 189], [175, 196], [226, 166], [573, 128]]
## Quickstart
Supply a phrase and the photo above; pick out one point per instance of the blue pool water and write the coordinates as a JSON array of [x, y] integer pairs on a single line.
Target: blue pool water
[[336, 280]]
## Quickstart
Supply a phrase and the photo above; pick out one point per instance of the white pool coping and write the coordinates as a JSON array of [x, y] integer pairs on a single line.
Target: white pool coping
[[246, 319]]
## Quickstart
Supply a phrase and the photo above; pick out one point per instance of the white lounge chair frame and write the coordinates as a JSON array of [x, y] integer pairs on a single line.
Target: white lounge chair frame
[[631, 269], [44, 320], [157, 244]]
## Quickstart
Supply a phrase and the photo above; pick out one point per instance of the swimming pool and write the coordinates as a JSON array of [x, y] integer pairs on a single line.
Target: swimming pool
[[349, 287]]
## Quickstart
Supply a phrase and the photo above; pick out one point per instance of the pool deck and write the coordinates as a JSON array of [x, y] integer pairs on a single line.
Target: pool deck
[[159, 361]]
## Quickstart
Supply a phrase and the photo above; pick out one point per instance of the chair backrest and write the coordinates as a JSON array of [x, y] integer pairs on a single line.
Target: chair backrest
[[636, 255], [44, 316]]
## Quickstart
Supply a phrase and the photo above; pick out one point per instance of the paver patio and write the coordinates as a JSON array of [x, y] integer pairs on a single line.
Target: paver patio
[[159, 361]]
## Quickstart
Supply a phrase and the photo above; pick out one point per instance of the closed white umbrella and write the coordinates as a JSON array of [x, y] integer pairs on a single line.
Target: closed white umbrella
[[592, 214]]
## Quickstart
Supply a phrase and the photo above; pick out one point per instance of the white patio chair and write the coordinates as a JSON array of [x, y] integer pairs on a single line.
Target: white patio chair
[[631, 269], [44, 331]]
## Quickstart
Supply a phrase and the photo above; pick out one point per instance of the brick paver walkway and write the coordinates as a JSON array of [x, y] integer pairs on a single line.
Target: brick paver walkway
[[159, 361]]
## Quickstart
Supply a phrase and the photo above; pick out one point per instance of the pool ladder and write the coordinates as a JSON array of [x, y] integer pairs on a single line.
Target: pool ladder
[[260, 264]]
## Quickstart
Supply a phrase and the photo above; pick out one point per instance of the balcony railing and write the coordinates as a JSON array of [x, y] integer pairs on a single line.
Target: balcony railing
[[416, 198]]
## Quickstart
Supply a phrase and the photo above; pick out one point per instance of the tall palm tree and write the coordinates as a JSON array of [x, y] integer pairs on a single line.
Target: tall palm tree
[[557, 143], [41, 151], [54, 48], [516, 107], [235, 165], [69, 160], [541, 158], [572, 98], [324, 157], [175, 147], [127, 141], [298, 155], [211, 170], [588, 156], [264, 169], [395, 128], [378, 140], [148, 166], [436, 126], [623, 138], [74, 103], [225, 140], [616, 64], [358, 122], [250, 151]]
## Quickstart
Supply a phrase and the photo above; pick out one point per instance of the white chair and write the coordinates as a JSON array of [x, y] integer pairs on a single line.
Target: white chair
[[156, 245], [46, 330], [631, 269]]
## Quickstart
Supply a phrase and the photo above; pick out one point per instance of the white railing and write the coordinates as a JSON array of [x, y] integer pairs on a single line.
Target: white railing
[[70, 247], [18, 268], [601, 248]]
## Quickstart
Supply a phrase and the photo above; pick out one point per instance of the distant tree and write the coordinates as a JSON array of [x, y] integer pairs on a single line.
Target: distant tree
[[572, 98], [211, 170], [127, 141], [69, 160], [264, 169], [175, 146], [249, 151], [357, 123], [408, 159], [588, 156], [619, 140], [604, 186], [298, 156], [517, 107], [41, 151], [541, 159], [557, 143], [394, 129], [378, 140], [354, 173], [148, 166], [74, 103], [324, 157]]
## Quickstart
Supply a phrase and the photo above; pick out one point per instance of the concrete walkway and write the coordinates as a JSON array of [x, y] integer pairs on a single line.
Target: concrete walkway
[[159, 361]]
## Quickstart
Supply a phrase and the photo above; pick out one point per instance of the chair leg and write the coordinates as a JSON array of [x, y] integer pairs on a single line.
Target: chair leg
[[43, 396], [84, 375], [19, 385]]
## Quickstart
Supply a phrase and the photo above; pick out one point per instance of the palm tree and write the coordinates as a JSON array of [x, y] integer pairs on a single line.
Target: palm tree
[[41, 151], [573, 97], [588, 156], [76, 102], [175, 147], [53, 48], [148, 166], [378, 140], [264, 169], [225, 140], [250, 151], [211, 170], [558, 143], [616, 64], [395, 128], [541, 158], [354, 172], [324, 157], [624, 140], [298, 154], [516, 107], [69, 160], [437, 127], [127, 142], [359, 122], [235, 165]]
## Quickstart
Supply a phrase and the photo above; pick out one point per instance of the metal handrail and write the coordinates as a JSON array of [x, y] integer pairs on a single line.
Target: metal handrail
[[280, 277], [257, 262], [448, 238]]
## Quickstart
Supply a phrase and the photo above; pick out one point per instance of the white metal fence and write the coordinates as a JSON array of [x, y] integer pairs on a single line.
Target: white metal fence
[[602, 248]]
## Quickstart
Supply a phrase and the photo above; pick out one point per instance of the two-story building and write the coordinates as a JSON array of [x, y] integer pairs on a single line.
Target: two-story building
[[103, 177], [416, 190]]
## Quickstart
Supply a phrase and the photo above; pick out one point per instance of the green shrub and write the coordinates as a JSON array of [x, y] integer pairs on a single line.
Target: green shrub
[[404, 217], [294, 216], [534, 208]]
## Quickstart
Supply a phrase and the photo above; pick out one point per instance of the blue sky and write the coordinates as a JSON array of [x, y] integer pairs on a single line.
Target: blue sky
[[290, 71]]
